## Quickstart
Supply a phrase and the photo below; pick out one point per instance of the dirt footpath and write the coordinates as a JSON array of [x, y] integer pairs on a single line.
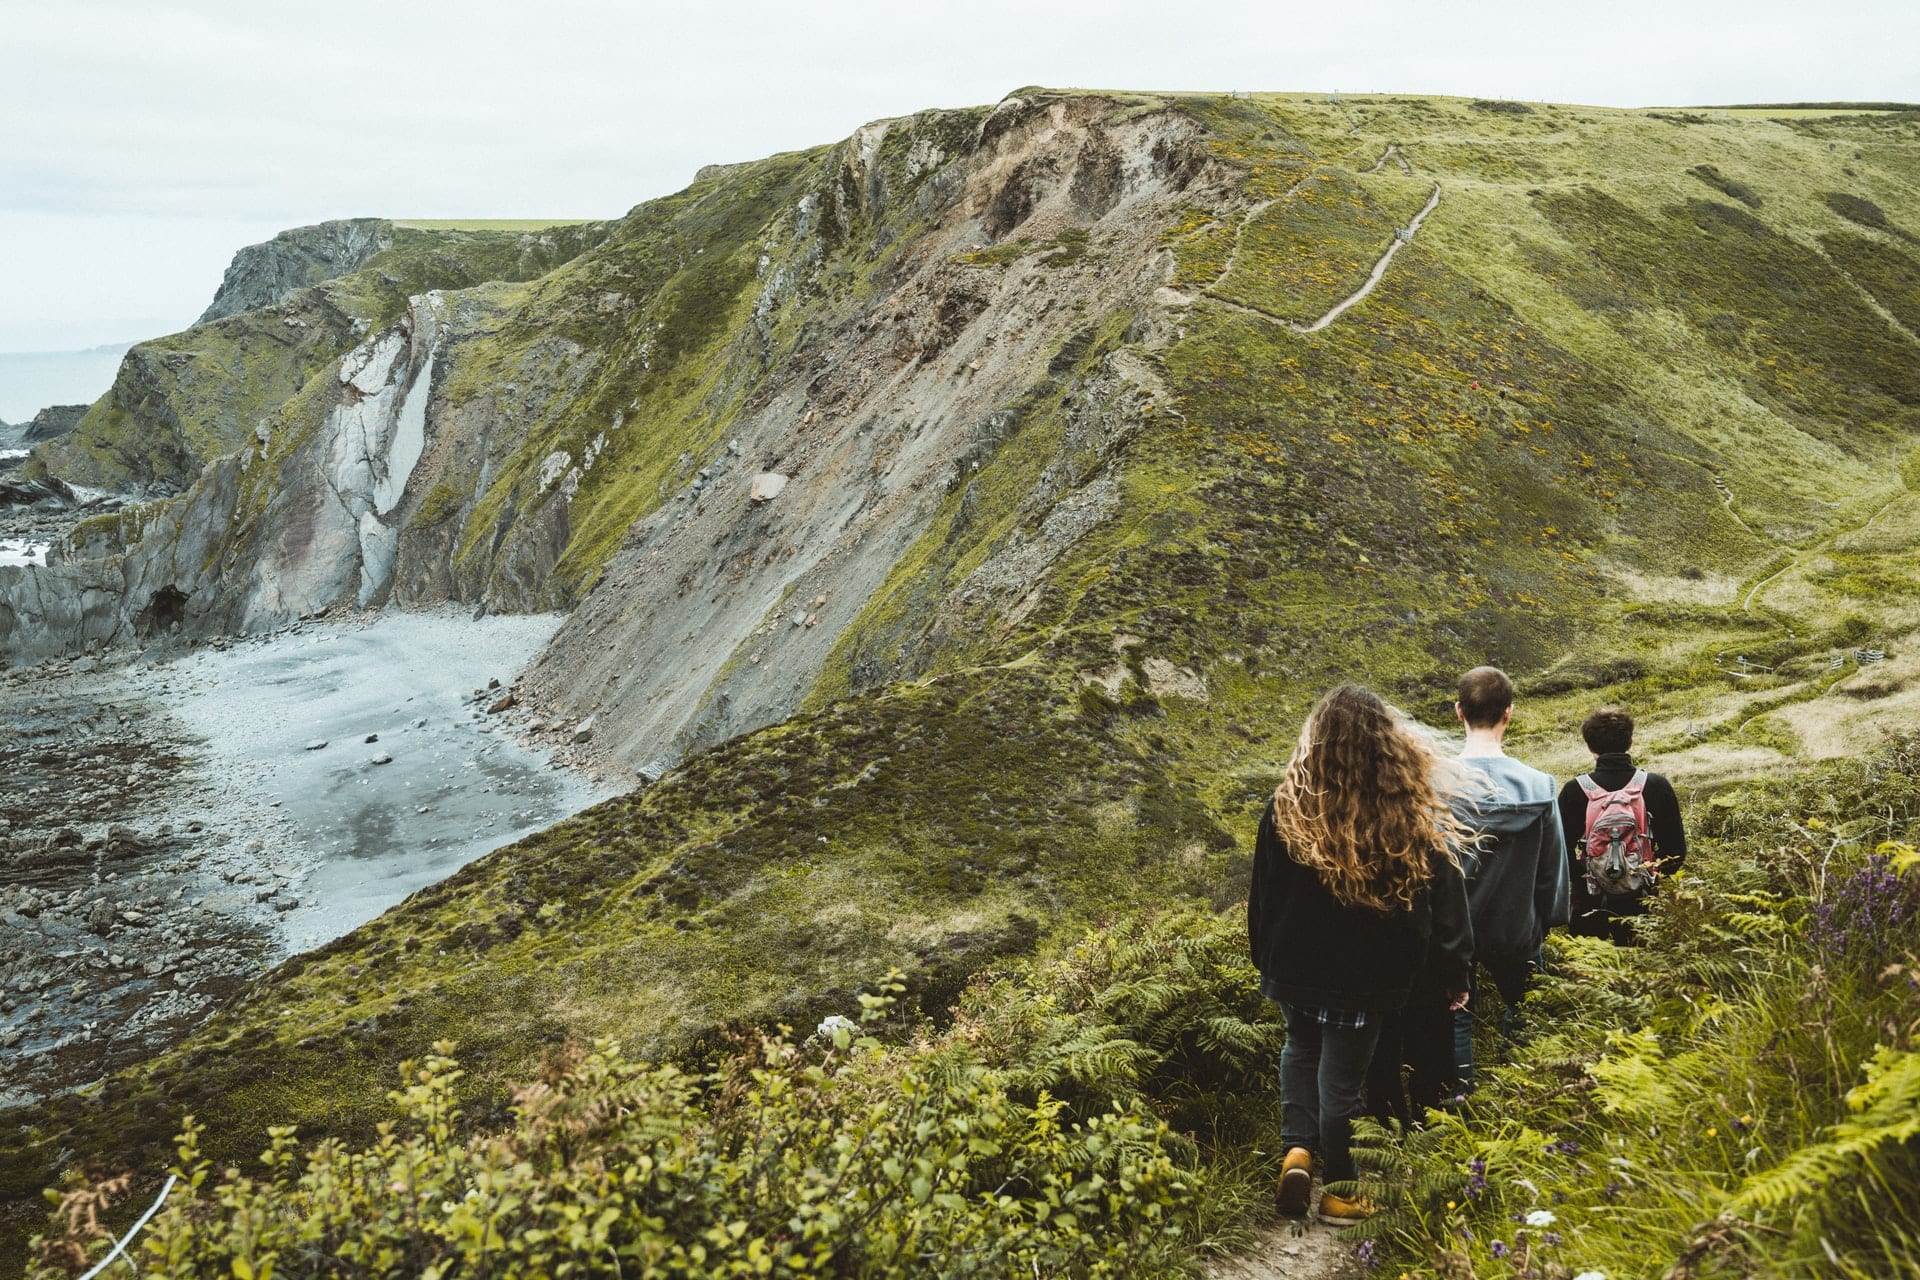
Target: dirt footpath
[[1303, 1250]]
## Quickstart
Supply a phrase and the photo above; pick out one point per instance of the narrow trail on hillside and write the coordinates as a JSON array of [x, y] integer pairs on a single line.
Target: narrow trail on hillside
[[1795, 559], [1401, 237], [1726, 500], [1379, 268], [1818, 547], [1391, 153], [1253, 211], [1872, 303]]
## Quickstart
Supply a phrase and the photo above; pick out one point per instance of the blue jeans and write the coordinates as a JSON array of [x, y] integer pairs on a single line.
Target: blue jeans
[[1512, 981], [1323, 1075]]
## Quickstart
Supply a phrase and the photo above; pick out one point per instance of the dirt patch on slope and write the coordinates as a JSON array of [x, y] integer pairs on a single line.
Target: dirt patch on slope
[[720, 613]]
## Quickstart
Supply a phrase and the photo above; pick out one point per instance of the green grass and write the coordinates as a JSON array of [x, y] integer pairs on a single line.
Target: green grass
[[1736, 1090], [487, 224]]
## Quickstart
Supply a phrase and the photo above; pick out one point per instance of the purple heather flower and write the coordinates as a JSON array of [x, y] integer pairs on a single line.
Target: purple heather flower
[[1865, 916], [1365, 1253], [1552, 1240], [1498, 1249]]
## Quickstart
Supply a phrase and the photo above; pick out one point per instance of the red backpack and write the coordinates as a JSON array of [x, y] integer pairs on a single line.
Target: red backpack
[[1617, 852]]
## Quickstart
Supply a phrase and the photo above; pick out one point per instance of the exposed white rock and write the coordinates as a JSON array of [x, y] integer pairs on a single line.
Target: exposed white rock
[[407, 443], [552, 467], [367, 366], [1166, 680], [767, 486], [379, 546]]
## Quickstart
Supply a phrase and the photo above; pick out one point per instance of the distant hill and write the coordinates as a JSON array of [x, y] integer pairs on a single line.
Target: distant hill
[[1816, 106]]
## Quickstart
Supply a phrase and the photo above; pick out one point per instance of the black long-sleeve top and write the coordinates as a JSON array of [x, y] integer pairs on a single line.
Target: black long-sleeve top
[[1611, 771], [1314, 950]]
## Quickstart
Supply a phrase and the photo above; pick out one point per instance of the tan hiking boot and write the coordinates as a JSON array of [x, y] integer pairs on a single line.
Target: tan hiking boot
[[1296, 1183], [1339, 1211]]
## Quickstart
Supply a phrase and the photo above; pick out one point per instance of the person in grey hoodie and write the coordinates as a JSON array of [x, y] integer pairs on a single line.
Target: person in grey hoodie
[[1517, 881]]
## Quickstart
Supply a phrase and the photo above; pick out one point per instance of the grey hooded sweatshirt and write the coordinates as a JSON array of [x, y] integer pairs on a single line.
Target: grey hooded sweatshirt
[[1516, 872]]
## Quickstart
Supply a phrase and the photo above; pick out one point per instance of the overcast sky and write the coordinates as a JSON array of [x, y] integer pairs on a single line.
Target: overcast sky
[[143, 142]]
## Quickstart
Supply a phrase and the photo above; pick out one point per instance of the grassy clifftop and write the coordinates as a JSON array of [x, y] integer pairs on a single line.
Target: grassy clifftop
[[1630, 414]]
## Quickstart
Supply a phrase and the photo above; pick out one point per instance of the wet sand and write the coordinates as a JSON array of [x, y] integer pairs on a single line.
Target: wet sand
[[414, 781], [170, 829]]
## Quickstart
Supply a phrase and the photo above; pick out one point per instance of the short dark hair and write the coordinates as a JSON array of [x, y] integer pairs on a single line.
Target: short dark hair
[[1485, 694], [1608, 729]]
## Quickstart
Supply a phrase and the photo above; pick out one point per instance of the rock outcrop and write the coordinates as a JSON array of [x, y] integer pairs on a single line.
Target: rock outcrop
[[719, 613], [266, 274], [707, 484], [178, 403], [290, 524], [52, 422], [181, 401]]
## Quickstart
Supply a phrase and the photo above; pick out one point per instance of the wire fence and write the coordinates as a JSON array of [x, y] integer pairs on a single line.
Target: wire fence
[[120, 1246]]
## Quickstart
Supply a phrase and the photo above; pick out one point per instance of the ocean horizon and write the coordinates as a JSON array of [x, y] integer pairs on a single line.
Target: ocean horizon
[[32, 380]]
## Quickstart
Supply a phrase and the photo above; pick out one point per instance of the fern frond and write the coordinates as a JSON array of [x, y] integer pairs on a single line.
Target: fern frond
[[1887, 1112]]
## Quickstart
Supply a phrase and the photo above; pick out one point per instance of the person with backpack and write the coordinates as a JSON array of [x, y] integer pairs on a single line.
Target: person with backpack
[[1516, 869], [1623, 831], [1356, 890]]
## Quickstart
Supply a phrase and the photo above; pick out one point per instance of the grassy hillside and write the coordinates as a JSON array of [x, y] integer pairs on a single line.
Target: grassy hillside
[[1734, 1096], [1636, 403]]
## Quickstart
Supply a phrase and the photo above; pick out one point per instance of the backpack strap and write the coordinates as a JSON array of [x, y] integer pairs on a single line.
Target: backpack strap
[[1638, 785], [1588, 785]]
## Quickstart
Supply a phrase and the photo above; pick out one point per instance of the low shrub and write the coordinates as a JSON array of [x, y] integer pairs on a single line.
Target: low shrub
[[1035, 1137]]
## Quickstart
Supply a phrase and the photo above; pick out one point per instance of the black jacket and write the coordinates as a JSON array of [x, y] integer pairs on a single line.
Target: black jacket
[[1614, 770], [1314, 950]]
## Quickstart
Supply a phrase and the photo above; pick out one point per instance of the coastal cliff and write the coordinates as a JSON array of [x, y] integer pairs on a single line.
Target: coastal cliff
[[956, 520]]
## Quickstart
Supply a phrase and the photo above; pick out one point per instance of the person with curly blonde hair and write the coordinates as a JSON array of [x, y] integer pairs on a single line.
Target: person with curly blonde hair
[[1356, 891]]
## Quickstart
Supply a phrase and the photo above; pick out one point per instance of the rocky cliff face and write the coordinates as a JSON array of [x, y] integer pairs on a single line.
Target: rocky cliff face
[[52, 422], [264, 275], [181, 401], [608, 427], [291, 524], [719, 612]]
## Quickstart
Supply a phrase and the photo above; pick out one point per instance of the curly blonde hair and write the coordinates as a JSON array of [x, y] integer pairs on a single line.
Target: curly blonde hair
[[1361, 803]]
